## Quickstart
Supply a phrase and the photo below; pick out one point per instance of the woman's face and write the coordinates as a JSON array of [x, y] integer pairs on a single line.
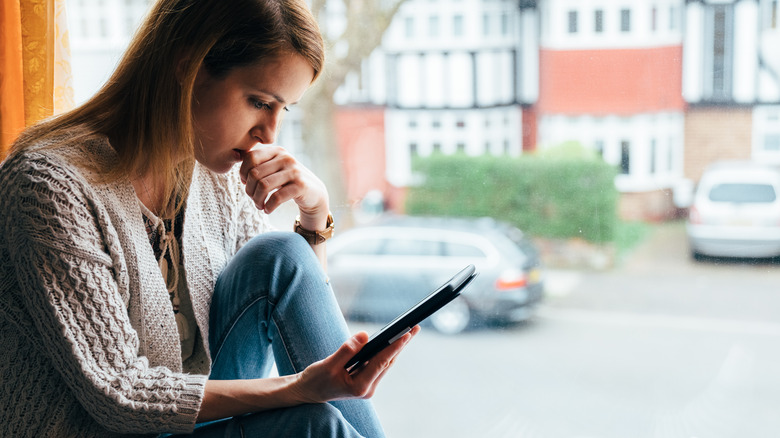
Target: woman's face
[[232, 114]]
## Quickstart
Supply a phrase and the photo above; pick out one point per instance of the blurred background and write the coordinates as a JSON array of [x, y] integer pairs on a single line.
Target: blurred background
[[608, 165]]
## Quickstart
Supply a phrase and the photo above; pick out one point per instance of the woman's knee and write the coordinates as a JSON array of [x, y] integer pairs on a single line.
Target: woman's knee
[[323, 420], [309, 420]]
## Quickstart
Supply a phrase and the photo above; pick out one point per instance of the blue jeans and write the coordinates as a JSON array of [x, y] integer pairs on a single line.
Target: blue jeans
[[272, 303]]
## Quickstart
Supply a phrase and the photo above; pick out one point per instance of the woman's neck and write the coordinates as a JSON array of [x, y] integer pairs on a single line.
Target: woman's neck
[[151, 193]]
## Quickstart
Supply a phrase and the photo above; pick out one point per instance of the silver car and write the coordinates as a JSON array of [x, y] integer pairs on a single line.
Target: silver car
[[736, 212], [378, 271]]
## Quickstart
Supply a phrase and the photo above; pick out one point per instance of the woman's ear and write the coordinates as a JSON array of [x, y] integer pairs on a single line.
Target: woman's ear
[[183, 67]]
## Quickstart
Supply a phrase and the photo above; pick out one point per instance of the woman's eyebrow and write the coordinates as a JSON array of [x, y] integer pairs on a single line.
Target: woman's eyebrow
[[275, 96]]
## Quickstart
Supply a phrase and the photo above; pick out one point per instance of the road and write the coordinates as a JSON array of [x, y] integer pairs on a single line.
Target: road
[[659, 347]]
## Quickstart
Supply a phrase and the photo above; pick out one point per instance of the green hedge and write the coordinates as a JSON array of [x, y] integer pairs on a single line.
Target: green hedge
[[546, 196]]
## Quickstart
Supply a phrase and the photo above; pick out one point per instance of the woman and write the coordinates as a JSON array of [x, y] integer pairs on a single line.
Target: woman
[[134, 298]]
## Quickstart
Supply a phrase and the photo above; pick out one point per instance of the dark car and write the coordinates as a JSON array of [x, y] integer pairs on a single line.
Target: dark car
[[380, 270]]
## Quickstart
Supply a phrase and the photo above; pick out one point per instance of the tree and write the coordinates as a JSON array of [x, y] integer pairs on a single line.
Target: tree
[[346, 48]]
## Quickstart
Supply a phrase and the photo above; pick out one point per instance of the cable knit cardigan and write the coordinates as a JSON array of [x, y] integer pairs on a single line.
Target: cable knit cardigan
[[89, 343]]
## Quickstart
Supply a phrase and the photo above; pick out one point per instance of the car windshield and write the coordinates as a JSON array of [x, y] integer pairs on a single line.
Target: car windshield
[[577, 131], [743, 193]]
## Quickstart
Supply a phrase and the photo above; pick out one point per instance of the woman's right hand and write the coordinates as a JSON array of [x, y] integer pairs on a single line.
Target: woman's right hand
[[327, 379]]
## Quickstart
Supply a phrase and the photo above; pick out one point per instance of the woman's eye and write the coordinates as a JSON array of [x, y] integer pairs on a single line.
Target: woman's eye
[[259, 104]]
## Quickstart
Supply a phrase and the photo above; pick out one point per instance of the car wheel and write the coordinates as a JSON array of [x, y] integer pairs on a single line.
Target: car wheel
[[452, 318]]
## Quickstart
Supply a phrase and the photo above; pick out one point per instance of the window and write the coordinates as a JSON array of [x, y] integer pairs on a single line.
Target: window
[[598, 146], [411, 247], [720, 52], [674, 17], [433, 26], [598, 21], [572, 22], [701, 333], [457, 25], [742, 193], [654, 19], [453, 249], [772, 142], [625, 20], [653, 157], [625, 157], [409, 27]]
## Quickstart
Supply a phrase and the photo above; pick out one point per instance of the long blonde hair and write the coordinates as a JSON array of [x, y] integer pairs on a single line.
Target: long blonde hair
[[145, 106]]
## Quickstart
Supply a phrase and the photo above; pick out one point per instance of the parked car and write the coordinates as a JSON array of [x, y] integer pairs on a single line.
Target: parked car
[[380, 270], [736, 212]]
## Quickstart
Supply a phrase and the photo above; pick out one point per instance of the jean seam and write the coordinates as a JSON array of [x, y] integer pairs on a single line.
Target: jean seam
[[232, 324], [283, 344]]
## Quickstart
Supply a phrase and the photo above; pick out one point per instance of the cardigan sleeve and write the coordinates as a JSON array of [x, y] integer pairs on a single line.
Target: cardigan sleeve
[[68, 288]]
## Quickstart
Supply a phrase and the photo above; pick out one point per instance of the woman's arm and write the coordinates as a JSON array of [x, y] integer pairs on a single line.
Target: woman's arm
[[273, 176], [321, 382]]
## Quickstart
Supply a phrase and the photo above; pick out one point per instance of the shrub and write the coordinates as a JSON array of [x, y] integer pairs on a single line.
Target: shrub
[[546, 196]]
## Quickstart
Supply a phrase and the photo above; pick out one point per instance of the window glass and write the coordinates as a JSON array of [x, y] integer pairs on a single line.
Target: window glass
[[412, 248], [625, 20], [363, 247], [572, 21], [453, 249], [623, 105], [598, 21], [743, 193]]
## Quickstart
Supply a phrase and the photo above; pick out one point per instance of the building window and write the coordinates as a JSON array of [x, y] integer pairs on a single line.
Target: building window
[[436, 123], [598, 146], [722, 34], [409, 27], [507, 149], [457, 25], [772, 143], [461, 147], [572, 21], [414, 150], [460, 123], [433, 26], [437, 148], [653, 164], [412, 123], [486, 24], [625, 20], [654, 19], [625, 157], [598, 21], [673, 17], [505, 24]]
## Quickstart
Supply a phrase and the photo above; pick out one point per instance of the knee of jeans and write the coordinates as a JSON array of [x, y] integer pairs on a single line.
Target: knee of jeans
[[323, 420], [289, 244]]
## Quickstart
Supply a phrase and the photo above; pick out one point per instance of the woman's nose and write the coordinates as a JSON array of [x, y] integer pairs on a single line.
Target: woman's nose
[[266, 128], [264, 134]]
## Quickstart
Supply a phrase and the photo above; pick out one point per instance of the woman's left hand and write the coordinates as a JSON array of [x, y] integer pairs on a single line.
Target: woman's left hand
[[273, 176]]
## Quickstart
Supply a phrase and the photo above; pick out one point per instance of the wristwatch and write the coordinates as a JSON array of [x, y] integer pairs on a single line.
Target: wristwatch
[[315, 237]]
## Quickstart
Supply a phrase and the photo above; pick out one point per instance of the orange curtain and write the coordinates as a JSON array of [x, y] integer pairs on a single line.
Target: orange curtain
[[35, 74]]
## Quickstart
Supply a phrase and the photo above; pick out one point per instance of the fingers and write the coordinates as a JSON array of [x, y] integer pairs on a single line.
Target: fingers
[[273, 177]]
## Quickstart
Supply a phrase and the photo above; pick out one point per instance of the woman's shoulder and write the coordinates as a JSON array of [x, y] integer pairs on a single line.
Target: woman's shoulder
[[75, 152]]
